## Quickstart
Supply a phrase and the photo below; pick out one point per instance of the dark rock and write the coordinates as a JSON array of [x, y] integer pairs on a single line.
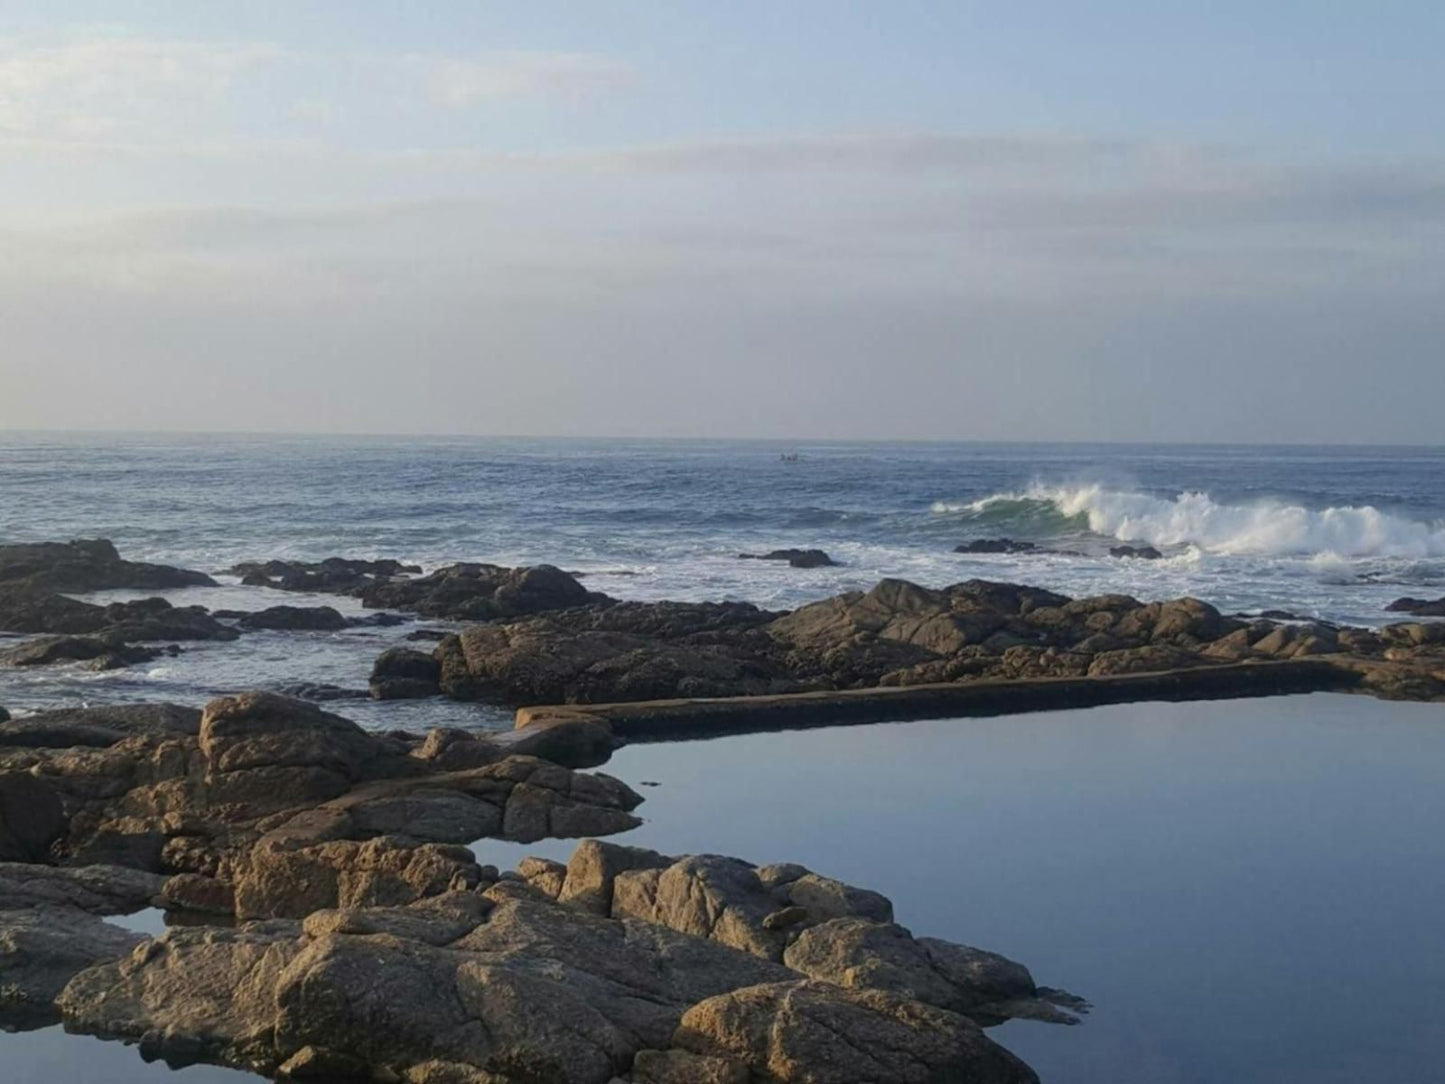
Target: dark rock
[[103, 654], [795, 558], [478, 592], [4, 716], [42, 949], [31, 818], [99, 727], [24, 609], [401, 673], [381, 620], [1418, 607], [1143, 553], [334, 575], [92, 565], [995, 545], [100, 890], [428, 635], [295, 618]]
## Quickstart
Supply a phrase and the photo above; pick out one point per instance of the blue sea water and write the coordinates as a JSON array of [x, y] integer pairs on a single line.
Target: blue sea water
[[1333, 533]]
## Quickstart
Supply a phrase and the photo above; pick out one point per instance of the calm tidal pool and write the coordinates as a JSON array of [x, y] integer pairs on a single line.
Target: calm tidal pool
[[1248, 891]]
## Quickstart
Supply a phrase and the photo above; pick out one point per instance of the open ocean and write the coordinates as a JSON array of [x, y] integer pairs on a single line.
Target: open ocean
[[1324, 532]]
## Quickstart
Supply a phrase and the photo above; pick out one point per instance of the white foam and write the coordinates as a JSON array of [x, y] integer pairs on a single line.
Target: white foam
[[1261, 528]]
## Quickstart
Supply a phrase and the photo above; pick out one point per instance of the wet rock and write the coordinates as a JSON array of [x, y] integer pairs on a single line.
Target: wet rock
[[402, 673], [334, 575], [995, 545], [24, 609], [1419, 607], [154, 619], [295, 619], [1142, 553], [794, 557], [102, 654], [91, 565]]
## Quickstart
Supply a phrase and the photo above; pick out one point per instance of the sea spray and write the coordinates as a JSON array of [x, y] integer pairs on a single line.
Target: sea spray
[[1194, 518]]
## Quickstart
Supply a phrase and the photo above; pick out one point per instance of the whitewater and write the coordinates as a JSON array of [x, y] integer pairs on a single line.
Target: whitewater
[[1325, 533], [1195, 519]]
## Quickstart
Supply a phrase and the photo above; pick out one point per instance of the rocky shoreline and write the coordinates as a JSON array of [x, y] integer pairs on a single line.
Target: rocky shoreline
[[348, 934], [346, 930]]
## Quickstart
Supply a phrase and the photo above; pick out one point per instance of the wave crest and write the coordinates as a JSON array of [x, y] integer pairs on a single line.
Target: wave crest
[[1262, 528]]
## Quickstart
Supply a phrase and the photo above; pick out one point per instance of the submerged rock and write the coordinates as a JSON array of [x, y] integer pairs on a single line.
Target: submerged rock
[[995, 545], [334, 575], [794, 557], [1143, 553]]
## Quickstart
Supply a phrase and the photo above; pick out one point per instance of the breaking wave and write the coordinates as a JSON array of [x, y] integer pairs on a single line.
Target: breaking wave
[[1262, 528]]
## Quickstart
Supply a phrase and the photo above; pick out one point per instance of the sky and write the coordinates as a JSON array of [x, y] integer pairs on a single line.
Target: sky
[[1159, 221]]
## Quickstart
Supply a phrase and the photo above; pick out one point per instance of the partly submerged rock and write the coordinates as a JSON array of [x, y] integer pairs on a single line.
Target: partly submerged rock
[[90, 565], [794, 557], [1419, 607], [295, 618], [995, 545], [1143, 553]]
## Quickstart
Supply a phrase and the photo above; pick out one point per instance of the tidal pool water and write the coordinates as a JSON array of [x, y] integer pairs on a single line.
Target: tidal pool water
[[1248, 891]]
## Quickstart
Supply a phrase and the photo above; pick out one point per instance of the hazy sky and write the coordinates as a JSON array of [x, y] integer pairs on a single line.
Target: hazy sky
[[1153, 221]]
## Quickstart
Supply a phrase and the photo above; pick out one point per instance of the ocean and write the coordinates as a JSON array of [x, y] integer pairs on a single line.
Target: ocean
[[1323, 532]]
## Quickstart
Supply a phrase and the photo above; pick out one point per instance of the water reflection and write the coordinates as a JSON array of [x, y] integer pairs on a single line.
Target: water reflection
[[1248, 891]]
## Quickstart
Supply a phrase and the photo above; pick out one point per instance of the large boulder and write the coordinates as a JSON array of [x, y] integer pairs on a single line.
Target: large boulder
[[268, 750], [402, 673], [91, 565], [480, 592]]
